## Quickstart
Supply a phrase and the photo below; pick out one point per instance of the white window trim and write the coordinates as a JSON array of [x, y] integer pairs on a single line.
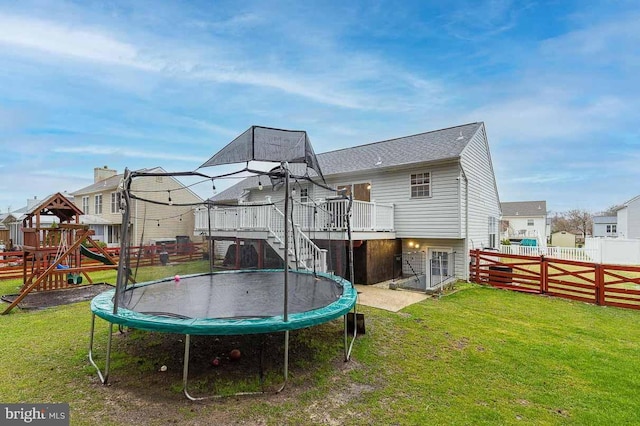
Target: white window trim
[[115, 207], [95, 204], [430, 185]]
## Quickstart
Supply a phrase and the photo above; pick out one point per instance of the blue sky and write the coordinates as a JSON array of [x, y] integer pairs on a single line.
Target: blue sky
[[85, 84]]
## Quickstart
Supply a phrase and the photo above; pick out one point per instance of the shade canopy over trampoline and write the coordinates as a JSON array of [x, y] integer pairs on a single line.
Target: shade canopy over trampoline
[[229, 303], [259, 143]]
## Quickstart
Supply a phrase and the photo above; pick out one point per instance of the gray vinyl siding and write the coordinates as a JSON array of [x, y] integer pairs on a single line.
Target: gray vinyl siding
[[426, 217], [633, 219], [483, 195]]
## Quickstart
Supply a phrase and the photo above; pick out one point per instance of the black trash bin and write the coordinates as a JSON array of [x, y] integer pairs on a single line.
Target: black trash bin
[[182, 244], [163, 255], [500, 275]]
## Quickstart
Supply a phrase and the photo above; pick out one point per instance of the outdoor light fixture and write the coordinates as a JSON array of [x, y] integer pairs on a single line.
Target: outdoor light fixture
[[259, 185], [170, 202]]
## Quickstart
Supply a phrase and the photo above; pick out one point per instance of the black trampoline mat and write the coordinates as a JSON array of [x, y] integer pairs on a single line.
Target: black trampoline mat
[[232, 295]]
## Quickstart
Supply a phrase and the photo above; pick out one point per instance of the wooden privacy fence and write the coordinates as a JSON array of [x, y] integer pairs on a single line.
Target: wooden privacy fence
[[147, 255], [607, 285]]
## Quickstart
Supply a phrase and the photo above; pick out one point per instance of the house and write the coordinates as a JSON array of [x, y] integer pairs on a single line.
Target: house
[[100, 203], [432, 193], [563, 239], [628, 219], [5, 220], [605, 226], [525, 220]]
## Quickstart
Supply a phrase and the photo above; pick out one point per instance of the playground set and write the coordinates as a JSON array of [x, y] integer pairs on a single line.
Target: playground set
[[53, 253]]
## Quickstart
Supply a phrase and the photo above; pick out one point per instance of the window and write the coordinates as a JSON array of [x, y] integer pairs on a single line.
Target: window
[[493, 230], [421, 185], [115, 202], [611, 229], [85, 205], [98, 204], [529, 222], [304, 195]]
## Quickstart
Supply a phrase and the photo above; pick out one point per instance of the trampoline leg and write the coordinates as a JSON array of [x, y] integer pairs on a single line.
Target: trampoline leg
[[103, 377], [185, 377], [349, 346], [185, 368], [285, 370]]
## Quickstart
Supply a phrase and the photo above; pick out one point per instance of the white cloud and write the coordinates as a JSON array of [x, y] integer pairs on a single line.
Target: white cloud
[[65, 40], [333, 77], [124, 152]]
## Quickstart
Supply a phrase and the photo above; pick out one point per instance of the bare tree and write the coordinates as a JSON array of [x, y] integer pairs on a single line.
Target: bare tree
[[581, 221], [575, 221]]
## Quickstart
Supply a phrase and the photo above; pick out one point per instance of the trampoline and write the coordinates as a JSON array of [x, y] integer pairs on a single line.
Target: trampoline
[[302, 294], [229, 303]]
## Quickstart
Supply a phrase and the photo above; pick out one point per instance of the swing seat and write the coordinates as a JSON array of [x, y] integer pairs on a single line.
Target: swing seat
[[59, 266], [74, 279]]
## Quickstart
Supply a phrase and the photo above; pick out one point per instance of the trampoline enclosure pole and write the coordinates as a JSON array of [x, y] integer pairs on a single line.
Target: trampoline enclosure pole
[[286, 243]]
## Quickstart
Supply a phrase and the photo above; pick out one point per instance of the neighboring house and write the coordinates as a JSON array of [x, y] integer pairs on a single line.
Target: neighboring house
[[628, 218], [605, 226], [433, 192], [100, 203], [524, 220], [5, 235], [563, 239]]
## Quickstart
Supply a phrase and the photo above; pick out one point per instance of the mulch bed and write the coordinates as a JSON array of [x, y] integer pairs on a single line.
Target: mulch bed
[[46, 299]]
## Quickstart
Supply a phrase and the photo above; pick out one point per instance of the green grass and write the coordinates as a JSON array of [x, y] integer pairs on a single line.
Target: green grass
[[475, 356]]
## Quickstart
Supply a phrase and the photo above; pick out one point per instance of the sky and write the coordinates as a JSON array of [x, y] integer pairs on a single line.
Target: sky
[[140, 84]]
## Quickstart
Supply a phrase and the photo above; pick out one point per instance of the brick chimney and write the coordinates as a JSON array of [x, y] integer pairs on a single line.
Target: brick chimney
[[102, 173]]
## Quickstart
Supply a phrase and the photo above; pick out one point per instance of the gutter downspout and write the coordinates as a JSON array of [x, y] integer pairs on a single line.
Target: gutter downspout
[[466, 224]]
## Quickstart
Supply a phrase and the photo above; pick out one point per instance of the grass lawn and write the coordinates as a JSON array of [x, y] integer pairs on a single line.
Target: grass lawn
[[475, 356]]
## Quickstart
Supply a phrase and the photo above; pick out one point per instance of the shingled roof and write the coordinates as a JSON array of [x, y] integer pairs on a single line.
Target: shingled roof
[[110, 183], [524, 208], [425, 147]]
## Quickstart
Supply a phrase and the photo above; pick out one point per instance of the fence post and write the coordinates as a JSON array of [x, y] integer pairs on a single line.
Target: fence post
[[599, 281], [544, 275], [477, 265]]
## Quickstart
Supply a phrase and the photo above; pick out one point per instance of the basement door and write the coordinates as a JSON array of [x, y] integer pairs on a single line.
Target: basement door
[[439, 266]]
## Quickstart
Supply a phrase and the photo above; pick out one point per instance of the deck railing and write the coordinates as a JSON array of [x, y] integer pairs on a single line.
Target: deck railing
[[320, 216]]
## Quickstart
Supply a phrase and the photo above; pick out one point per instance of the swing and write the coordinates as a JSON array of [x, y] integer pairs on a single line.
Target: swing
[[72, 278], [62, 249]]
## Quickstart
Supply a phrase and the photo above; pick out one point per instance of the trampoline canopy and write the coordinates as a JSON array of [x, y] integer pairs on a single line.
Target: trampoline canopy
[[267, 144]]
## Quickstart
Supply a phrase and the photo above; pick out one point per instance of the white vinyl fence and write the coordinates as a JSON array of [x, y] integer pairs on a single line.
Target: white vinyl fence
[[614, 251]]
